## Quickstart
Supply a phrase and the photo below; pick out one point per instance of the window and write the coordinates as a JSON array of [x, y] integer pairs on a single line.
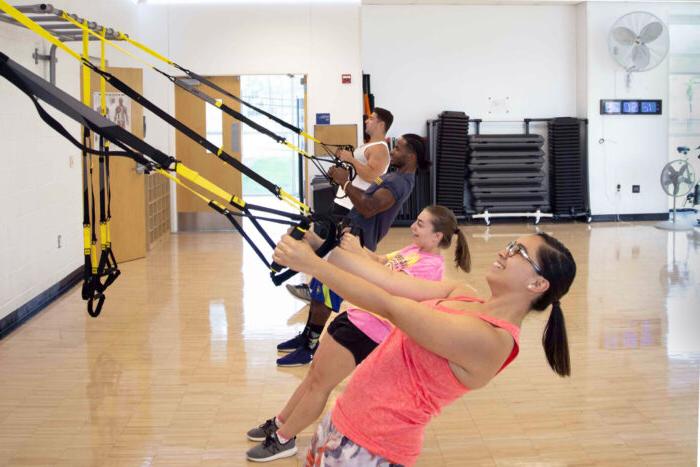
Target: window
[[215, 124]]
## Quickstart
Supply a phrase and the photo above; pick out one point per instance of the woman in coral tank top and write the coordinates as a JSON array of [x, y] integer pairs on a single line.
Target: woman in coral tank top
[[445, 343]]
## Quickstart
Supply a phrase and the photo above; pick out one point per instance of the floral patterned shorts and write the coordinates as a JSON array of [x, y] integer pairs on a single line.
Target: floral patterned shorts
[[330, 448]]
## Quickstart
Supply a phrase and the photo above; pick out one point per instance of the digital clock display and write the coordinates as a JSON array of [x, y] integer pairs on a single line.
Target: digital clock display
[[630, 107]]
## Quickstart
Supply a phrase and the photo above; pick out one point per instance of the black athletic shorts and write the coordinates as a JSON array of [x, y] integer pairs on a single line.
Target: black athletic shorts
[[349, 336]]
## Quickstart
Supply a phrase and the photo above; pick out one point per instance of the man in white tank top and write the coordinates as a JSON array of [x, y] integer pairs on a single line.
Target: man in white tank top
[[371, 159]]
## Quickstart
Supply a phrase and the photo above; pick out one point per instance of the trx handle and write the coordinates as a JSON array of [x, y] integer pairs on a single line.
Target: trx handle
[[94, 312], [329, 243], [297, 234]]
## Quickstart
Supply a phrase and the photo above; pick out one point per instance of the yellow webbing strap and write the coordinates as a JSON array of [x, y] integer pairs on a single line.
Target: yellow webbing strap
[[86, 70], [295, 148], [87, 245], [103, 81], [218, 103], [86, 100], [94, 260], [103, 235], [304, 134], [87, 30], [152, 52], [164, 59], [295, 203], [31, 25], [194, 177], [167, 174]]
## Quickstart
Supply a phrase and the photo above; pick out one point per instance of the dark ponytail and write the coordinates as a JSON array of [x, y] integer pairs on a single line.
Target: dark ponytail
[[445, 222], [559, 268], [556, 343]]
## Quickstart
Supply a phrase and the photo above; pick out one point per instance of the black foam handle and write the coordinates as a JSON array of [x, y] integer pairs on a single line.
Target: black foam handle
[[95, 312], [297, 234], [325, 248]]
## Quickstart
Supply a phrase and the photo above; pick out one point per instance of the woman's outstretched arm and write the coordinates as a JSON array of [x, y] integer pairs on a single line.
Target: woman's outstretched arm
[[402, 285]]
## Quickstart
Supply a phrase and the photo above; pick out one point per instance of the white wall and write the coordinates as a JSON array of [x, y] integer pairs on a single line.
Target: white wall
[[322, 41], [40, 175], [426, 59], [634, 148]]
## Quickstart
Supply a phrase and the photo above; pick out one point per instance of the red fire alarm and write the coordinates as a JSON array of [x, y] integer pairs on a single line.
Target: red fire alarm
[[347, 78]]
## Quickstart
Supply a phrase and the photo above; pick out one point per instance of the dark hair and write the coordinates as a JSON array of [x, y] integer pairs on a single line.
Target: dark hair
[[445, 222], [385, 116], [559, 268], [417, 145]]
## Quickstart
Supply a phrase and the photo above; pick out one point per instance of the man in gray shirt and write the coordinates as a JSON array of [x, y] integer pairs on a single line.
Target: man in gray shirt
[[373, 213]]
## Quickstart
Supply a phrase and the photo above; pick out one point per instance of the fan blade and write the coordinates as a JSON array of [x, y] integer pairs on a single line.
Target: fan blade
[[687, 180], [651, 32], [624, 36], [640, 57]]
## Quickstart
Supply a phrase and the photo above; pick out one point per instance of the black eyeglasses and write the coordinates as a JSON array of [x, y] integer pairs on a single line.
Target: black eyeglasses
[[515, 248]]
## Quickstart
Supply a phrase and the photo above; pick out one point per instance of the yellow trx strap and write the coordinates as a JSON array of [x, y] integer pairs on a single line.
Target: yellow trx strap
[[86, 100], [218, 103], [164, 59], [181, 169], [105, 227], [291, 200]]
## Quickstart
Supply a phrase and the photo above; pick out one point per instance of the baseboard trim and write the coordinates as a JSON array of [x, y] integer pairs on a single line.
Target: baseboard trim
[[660, 216], [22, 314]]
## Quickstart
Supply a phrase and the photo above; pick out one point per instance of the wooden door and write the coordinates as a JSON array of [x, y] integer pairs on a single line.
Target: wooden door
[[193, 213], [129, 240]]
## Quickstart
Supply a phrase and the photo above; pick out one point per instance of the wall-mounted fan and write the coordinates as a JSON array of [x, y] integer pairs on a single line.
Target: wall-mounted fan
[[638, 41]]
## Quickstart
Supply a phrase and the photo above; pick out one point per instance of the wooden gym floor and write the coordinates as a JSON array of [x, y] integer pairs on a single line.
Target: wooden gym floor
[[181, 362]]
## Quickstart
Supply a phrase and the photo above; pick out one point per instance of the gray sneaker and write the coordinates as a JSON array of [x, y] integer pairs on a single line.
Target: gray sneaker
[[260, 432], [271, 449], [300, 291]]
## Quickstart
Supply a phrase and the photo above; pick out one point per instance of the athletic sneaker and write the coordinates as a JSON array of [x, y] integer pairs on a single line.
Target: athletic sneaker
[[292, 344], [260, 432], [271, 449], [300, 291], [301, 356]]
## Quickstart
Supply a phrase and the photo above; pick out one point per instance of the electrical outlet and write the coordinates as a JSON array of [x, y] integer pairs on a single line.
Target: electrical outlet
[[59, 241], [635, 188], [618, 187], [71, 162]]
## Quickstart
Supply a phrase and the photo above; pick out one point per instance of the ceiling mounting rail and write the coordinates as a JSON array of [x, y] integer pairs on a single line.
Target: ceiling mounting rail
[[52, 19]]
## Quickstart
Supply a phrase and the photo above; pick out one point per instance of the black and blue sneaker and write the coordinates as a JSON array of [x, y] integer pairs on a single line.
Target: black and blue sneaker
[[292, 344], [301, 356]]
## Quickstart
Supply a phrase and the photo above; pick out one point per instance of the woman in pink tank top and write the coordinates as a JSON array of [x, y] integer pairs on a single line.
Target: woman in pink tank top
[[445, 343]]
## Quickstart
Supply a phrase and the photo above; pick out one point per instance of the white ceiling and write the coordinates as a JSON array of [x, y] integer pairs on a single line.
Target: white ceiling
[[513, 2]]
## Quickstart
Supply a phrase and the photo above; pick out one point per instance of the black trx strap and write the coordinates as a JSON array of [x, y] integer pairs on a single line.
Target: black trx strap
[[135, 148]]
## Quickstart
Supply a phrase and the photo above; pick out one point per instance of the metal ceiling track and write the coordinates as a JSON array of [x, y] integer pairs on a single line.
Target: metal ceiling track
[[52, 20]]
